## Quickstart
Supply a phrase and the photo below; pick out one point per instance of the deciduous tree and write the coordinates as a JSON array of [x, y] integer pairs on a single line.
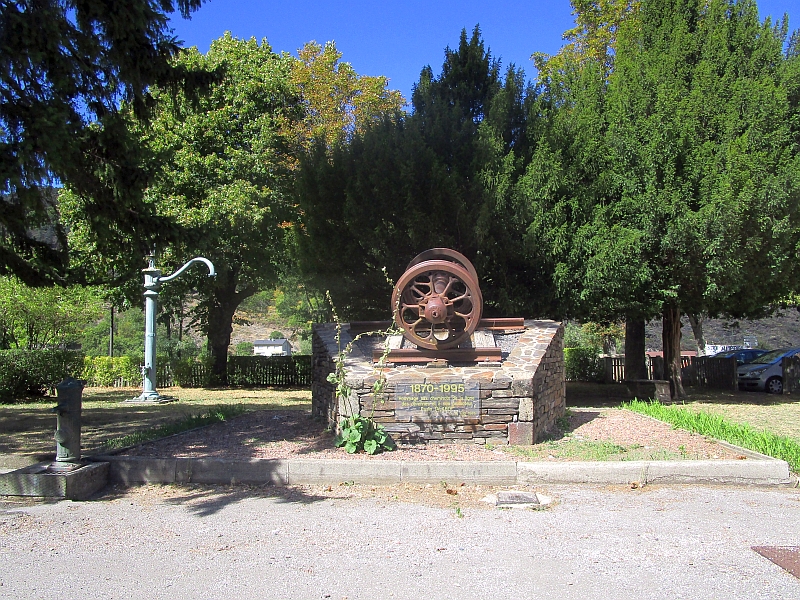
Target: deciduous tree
[[223, 177], [441, 176], [338, 101], [50, 317]]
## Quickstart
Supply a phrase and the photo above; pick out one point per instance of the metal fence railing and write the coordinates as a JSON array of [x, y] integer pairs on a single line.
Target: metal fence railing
[[243, 371]]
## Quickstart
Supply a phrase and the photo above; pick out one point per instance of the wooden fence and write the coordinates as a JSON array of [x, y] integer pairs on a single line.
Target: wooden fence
[[615, 367], [245, 371], [282, 371], [704, 371], [791, 375], [716, 373]]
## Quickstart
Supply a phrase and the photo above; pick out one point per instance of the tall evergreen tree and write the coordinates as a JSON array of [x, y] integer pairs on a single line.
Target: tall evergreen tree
[[696, 209], [65, 68], [441, 176]]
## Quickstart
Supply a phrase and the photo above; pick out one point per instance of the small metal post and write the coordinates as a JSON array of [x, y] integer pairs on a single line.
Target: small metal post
[[111, 334], [68, 420]]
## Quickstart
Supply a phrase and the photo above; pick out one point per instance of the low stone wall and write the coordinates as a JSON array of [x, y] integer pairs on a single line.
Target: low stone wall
[[515, 401]]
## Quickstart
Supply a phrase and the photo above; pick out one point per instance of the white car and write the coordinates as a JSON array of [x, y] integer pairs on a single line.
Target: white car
[[764, 373]]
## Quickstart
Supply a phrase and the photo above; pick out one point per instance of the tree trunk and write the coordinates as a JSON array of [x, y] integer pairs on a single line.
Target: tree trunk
[[696, 321], [671, 342], [635, 362], [220, 327], [226, 300]]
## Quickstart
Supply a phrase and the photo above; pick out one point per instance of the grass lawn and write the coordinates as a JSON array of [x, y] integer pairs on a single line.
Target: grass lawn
[[772, 413], [28, 428], [777, 414]]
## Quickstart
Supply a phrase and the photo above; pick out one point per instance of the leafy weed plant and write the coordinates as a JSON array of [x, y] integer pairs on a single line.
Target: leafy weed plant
[[357, 432], [715, 426]]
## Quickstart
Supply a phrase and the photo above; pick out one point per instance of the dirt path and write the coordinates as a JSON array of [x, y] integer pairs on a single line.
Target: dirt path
[[592, 434], [27, 429]]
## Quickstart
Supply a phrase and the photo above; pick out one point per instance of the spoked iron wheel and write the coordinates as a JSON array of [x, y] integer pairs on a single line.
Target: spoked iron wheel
[[438, 302]]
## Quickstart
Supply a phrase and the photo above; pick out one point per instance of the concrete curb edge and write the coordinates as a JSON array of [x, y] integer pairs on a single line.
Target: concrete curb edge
[[131, 470]]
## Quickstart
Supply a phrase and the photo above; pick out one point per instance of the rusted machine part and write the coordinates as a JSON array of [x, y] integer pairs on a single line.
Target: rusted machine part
[[444, 254], [439, 301], [450, 256]]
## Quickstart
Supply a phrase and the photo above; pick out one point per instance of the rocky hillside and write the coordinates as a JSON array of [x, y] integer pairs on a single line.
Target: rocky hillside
[[778, 331]]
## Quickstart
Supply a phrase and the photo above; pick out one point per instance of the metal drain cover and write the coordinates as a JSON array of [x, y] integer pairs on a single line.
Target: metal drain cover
[[786, 557]]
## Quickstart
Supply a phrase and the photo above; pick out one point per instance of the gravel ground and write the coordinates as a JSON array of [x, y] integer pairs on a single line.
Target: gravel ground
[[285, 434], [365, 542]]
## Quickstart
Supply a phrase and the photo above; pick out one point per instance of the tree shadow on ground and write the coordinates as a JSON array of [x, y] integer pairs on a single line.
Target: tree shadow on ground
[[205, 500], [574, 419], [587, 394], [248, 436], [29, 430]]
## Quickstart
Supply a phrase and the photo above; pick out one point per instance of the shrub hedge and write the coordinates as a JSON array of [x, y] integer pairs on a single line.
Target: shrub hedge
[[108, 371], [583, 364], [34, 372]]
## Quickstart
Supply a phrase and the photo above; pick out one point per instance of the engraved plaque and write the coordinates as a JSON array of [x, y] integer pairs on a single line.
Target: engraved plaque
[[439, 401]]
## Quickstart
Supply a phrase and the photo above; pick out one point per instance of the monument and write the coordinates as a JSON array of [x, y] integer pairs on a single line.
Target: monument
[[452, 376]]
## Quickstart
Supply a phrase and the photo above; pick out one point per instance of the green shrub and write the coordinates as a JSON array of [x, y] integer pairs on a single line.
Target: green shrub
[[106, 371], [583, 364], [191, 372], [35, 372], [574, 335], [243, 349]]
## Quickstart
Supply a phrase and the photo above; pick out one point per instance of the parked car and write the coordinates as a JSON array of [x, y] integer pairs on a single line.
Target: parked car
[[743, 355], [765, 373]]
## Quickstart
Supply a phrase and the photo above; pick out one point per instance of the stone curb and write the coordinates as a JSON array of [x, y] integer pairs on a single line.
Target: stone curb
[[137, 470]]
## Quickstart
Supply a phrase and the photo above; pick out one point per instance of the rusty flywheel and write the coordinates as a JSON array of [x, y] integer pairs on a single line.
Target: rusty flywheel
[[438, 300]]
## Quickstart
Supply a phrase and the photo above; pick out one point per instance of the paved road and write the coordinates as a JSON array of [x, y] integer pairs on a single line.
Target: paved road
[[164, 542]]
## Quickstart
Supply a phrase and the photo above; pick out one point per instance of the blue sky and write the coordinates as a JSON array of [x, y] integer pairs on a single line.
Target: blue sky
[[397, 39]]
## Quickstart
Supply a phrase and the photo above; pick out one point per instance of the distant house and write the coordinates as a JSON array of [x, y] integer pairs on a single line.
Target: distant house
[[279, 347]]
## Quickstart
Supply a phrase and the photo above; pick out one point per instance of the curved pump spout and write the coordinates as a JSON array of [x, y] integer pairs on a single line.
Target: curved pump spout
[[199, 259]]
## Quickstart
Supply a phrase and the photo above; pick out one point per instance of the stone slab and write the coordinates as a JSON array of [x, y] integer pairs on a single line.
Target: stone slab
[[135, 469], [520, 433], [755, 472], [335, 471], [745, 472], [649, 389], [254, 471], [515, 497], [486, 473], [34, 481]]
